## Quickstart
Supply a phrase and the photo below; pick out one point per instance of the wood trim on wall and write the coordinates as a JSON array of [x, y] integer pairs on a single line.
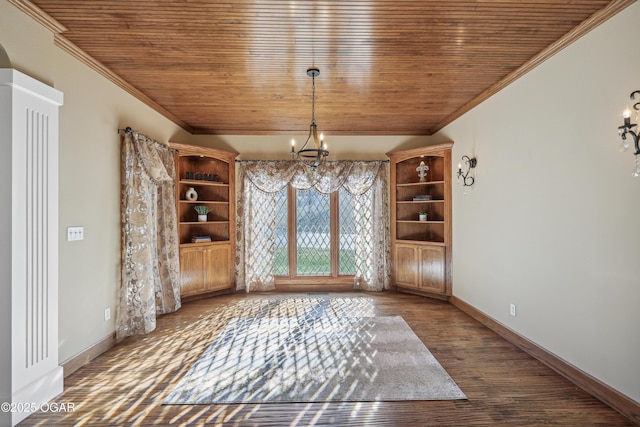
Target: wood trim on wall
[[611, 397], [420, 292], [211, 294], [586, 26], [73, 50], [76, 362], [39, 15], [47, 21]]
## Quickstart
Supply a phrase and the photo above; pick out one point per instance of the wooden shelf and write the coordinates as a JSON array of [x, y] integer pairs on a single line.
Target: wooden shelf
[[412, 221], [196, 182], [203, 244], [196, 202], [202, 222], [418, 201], [411, 184], [425, 242]]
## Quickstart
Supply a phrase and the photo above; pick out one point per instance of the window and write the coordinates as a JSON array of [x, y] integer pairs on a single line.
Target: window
[[323, 242], [327, 226], [313, 233]]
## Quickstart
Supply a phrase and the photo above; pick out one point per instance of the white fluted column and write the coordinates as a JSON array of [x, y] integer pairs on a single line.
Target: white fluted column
[[29, 370]]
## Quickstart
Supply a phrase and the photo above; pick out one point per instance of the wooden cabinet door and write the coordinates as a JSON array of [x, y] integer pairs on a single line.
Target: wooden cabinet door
[[406, 265], [205, 269], [192, 273], [217, 265], [432, 273]]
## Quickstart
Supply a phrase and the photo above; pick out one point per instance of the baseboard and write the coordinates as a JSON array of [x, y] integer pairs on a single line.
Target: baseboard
[[611, 397], [347, 287], [422, 293], [217, 293], [38, 392], [79, 360]]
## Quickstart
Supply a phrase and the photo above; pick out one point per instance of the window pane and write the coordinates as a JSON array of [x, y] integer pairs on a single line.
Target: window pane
[[281, 255], [346, 233], [313, 233]]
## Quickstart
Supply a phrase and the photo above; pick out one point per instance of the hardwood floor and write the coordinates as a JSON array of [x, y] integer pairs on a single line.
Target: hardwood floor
[[504, 386]]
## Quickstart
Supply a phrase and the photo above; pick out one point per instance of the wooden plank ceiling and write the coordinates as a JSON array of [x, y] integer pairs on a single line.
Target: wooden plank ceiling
[[387, 67]]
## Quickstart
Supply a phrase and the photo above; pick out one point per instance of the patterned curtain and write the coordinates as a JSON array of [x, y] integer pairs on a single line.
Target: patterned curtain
[[150, 253], [258, 183]]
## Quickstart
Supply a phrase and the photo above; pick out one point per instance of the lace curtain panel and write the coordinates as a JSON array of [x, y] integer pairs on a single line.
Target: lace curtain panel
[[258, 183], [150, 252]]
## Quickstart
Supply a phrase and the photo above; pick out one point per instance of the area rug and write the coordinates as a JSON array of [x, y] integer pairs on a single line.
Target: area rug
[[315, 359]]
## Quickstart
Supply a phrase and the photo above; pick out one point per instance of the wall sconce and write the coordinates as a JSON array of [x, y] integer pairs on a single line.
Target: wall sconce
[[628, 129], [470, 162]]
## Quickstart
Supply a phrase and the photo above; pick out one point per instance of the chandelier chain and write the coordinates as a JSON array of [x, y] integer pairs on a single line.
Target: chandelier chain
[[313, 98]]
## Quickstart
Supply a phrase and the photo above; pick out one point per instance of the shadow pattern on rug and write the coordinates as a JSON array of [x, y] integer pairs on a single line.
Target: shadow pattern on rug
[[329, 352]]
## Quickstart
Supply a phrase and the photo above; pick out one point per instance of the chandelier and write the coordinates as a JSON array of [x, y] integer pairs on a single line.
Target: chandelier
[[630, 129], [319, 153]]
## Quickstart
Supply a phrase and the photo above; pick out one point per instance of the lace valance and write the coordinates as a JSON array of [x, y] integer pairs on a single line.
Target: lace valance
[[356, 177]]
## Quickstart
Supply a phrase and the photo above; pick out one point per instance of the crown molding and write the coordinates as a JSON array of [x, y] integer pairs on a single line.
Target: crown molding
[[586, 26], [73, 50], [63, 43], [39, 15]]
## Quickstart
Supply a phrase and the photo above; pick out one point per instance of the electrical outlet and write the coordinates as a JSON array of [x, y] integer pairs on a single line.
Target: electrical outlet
[[512, 310], [107, 314], [75, 233]]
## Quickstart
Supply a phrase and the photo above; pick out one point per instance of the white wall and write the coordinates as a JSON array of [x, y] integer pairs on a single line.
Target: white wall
[[89, 174], [552, 224]]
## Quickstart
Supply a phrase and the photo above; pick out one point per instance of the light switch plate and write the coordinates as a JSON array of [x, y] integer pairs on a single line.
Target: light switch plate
[[75, 233]]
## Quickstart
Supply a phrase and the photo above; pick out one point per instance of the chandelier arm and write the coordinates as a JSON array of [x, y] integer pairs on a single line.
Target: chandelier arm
[[626, 129], [304, 146], [316, 140], [636, 143]]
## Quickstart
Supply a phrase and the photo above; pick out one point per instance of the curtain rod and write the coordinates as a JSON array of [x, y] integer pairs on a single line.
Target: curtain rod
[[151, 140]]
